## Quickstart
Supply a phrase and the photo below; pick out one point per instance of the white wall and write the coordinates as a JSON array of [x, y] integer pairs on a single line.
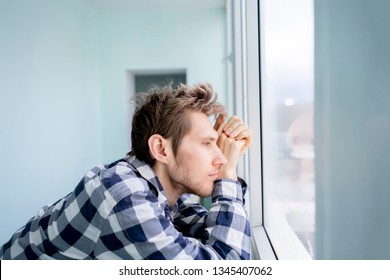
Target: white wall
[[49, 104], [352, 129]]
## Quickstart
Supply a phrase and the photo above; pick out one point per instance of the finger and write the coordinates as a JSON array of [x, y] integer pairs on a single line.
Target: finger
[[238, 131], [241, 144], [232, 124], [245, 134], [219, 123], [231, 121], [221, 141]]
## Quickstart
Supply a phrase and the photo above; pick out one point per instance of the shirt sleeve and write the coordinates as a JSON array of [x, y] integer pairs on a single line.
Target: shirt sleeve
[[227, 221], [190, 217], [138, 227]]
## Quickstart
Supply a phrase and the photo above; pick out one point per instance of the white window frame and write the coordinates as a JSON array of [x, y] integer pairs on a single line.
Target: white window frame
[[244, 77]]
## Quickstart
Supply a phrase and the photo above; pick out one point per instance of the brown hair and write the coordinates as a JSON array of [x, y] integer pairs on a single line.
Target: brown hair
[[163, 111]]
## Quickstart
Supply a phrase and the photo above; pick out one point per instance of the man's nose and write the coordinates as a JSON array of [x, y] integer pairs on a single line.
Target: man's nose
[[220, 159]]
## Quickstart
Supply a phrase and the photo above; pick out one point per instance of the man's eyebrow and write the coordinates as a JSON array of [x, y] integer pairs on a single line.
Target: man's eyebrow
[[208, 138]]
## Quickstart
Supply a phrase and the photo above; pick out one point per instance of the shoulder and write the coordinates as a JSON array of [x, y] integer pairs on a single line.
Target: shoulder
[[112, 183], [121, 180]]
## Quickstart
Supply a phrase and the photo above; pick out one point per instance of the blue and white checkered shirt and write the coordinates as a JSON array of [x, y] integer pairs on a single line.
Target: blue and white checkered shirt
[[120, 211]]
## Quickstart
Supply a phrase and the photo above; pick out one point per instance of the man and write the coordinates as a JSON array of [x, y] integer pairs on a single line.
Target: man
[[139, 207]]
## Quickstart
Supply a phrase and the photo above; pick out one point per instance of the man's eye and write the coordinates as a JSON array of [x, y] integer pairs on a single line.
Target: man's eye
[[207, 143]]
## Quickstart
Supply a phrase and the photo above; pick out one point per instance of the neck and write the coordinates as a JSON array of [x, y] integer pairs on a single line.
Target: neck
[[172, 192]]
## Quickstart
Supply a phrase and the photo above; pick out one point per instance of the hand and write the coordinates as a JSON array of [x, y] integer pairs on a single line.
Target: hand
[[231, 150], [234, 138], [236, 129]]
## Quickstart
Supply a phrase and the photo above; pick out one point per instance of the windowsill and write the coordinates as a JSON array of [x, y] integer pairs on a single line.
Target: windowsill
[[290, 247], [261, 246]]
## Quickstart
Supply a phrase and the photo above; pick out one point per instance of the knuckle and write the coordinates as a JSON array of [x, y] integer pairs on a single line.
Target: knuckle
[[236, 119], [230, 140]]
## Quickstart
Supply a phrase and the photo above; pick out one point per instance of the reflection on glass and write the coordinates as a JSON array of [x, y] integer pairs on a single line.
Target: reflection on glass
[[287, 114]]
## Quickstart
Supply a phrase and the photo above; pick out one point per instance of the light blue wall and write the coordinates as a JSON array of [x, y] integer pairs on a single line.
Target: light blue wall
[[148, 40], [352, 129], [64, 92], [49, 104]]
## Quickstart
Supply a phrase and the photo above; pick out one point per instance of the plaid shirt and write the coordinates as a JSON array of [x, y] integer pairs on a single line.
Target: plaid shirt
[[120, 211]]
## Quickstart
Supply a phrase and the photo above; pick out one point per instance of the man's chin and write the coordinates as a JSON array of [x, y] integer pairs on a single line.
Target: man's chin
[[205, 192]]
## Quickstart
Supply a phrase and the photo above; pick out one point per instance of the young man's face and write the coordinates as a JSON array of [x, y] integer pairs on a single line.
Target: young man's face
[[198, 158]]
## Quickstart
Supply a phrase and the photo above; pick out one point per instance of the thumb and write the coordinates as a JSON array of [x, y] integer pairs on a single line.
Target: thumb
[[220, 123]]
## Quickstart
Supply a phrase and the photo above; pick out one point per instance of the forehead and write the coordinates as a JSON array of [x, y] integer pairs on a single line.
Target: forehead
[[201, 126]]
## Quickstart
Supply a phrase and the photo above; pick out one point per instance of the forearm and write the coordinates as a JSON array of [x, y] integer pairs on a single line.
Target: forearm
[[227, 222]]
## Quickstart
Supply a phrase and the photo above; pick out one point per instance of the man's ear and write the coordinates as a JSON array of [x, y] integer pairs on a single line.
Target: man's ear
[[158, 148]]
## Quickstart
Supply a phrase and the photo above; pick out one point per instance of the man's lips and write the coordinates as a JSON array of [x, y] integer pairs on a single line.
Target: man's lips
[[214, 175]]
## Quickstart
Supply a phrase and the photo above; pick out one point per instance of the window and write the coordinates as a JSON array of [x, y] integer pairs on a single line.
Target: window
[[274, 93], [287, 94]]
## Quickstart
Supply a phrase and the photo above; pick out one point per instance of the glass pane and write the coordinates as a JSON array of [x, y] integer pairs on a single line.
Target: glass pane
[[287, 42]]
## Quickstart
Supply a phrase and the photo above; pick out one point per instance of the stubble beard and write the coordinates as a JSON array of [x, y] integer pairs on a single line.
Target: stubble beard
[[185, 178]]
